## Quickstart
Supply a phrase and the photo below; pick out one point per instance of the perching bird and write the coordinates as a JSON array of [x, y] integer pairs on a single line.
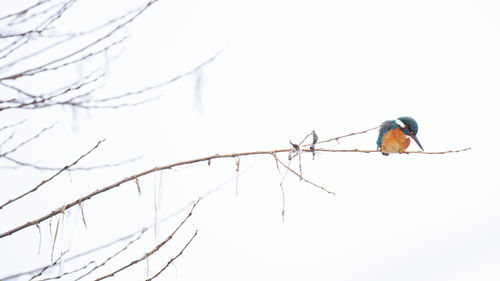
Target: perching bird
[[394, 135]]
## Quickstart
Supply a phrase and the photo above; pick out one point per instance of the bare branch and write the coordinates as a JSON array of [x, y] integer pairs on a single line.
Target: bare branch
[[12, 125], [37, 69], [69, 37], [68, 272], [51, 177], [18, 90], [38, 167], [82, 58], [7, 140], [162, 84], [45, 101], [46, 267], [131, 235], [37, 101], [152, 251], [64, 6], [22, 34], [15, 45], [187, 162], [24, 11], [27, 141], [174, 258], [378, 151], [112, 256], [20, 42]]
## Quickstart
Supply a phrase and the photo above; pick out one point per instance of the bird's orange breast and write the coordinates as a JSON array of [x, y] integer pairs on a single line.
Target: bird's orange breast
[[395, 141]]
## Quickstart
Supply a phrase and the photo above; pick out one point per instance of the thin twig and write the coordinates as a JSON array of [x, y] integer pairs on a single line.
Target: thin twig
[[164, 83], [74, 61], [89, 45], [174, 258], [25, 11], [305, 138], [27, 141], [46, 267], [68, 272], [378, 151], [22, 34], [152, 251], [7, 139], [41, 26], [300, 176], [51, 177], [89, 168], [344, 136], [112, 256], [12, 125]]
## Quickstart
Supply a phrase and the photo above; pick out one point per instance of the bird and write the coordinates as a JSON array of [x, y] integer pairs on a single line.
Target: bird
[[394, 135]]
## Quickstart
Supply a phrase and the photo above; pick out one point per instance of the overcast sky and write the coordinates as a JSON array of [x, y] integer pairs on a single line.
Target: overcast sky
[[287, 68]]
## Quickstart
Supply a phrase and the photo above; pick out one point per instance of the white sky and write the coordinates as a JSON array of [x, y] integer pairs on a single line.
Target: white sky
[[289, 67]]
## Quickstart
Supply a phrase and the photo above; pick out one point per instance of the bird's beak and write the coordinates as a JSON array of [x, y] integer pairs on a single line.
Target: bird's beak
[[417, 141]]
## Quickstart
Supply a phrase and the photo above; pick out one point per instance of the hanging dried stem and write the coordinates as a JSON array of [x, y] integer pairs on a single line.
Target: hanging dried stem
[[281, 185], [237, 159], [55, 235], [83, 215], [138, 186]]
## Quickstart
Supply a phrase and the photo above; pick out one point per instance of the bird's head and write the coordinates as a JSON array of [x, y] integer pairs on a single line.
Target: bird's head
[[410, 128]]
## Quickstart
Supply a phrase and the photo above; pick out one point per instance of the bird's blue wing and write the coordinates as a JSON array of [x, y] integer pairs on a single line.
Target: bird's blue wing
[[384, 128]]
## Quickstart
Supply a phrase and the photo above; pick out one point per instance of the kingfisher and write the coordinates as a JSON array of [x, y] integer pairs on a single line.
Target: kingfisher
[[394, 135]]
